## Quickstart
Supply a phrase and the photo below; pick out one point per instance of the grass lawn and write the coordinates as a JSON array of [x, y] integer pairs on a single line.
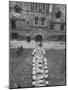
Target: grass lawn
[[57, 66], [21, 67]]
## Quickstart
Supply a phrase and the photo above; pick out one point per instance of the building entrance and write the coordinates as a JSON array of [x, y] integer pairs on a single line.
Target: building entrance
[[39, 38]]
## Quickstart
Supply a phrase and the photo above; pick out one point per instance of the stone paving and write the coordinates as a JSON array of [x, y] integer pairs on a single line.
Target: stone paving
[[40, 68], [32, 44]]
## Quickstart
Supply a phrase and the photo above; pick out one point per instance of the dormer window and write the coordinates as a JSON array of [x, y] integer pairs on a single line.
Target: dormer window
[[40, 7], [47, 7], [52, 26], [43, 7], [62, 26], [36, 6], [32, 6]]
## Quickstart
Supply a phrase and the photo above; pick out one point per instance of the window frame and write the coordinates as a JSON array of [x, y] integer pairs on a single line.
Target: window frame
[[37, 21], [47, 8], [43, 21]]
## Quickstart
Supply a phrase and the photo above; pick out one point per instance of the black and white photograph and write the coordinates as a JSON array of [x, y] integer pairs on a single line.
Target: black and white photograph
[[37, 44]]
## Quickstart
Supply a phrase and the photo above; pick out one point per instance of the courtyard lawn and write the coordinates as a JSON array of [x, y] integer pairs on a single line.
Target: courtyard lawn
[[15, 61], [21, 67], [56, 66]]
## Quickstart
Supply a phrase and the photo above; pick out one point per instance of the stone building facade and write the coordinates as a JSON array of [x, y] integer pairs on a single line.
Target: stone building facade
[[37, 18]]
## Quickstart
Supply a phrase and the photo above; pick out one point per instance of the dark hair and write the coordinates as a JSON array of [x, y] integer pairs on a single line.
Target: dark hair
[[40, 44]]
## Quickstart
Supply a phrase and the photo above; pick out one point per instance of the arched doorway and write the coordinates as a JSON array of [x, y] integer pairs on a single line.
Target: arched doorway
[[38, 38]]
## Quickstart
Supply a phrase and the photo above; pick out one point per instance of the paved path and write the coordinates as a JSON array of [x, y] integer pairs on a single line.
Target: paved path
[[40, 68], [46, 45]]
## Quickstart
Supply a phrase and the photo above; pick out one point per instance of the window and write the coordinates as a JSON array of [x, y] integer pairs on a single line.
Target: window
[[36, 6], [50, 8], [32, 6], [13, 23], [47, 7], [58, 14], [42, 21], [62, 27], [36, 20], [51, 26], [43, 7]]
